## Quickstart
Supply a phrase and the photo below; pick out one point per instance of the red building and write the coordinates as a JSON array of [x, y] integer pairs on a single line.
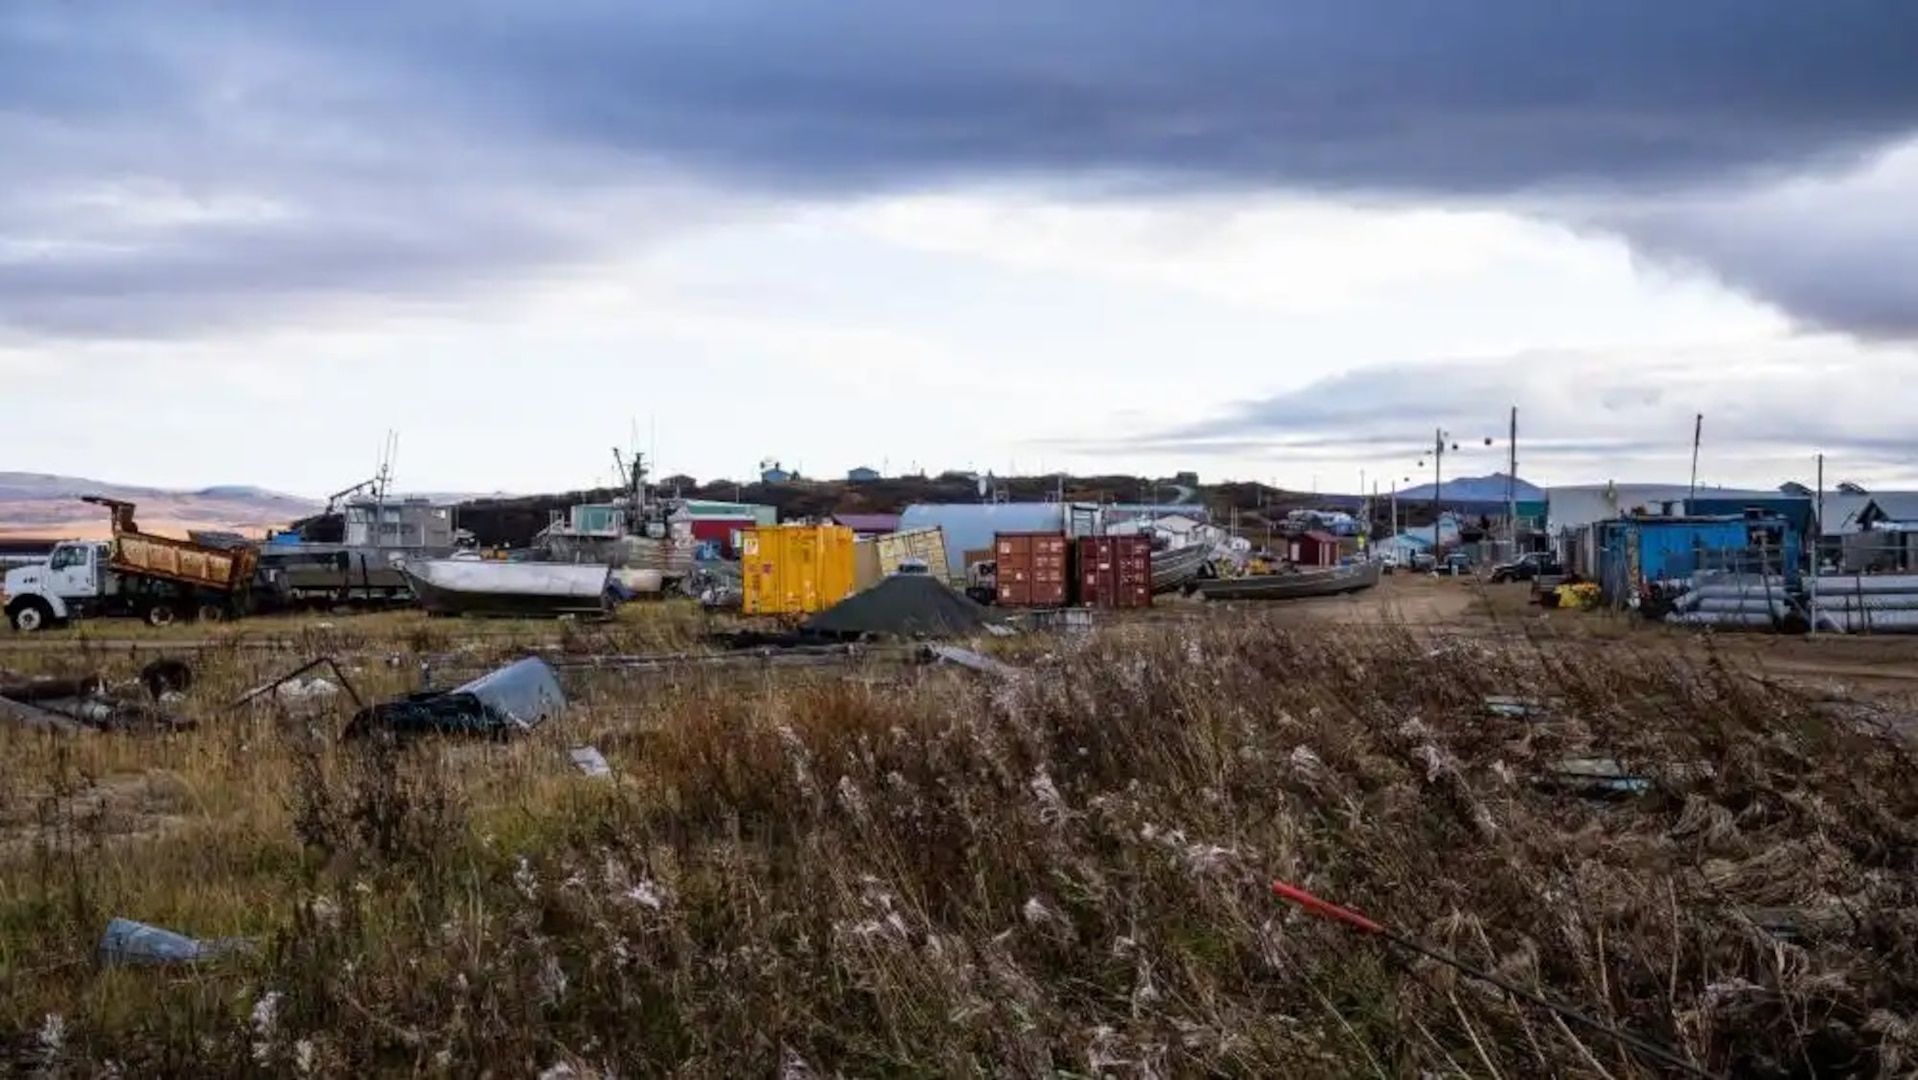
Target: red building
[[1315, 548]]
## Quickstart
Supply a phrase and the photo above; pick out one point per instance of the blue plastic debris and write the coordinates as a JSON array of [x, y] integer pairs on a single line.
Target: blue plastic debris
[[130, 943]]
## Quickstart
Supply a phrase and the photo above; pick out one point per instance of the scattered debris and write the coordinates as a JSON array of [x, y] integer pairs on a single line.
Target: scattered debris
[[508, 700], [590, 761], [902, 605], [167, 675], [1508, 705], [1595, 777], [129, 943], [36, 718], [70, 704], [294, 678], [979, 662]]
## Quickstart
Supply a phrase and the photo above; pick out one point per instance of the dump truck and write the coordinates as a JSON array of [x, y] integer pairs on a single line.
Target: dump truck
[[154, 578]]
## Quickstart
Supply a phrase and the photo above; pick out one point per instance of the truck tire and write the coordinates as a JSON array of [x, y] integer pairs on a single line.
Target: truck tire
[[31, 614], [159, 615], [211, 613]]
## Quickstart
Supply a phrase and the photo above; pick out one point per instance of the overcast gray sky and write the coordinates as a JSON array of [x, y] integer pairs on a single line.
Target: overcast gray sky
[[1273, 238]]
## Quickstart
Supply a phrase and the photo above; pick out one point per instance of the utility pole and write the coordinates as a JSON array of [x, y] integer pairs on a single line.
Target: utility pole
[[1698, 435], [1511, 483], [1438, 486], [1818, 541]]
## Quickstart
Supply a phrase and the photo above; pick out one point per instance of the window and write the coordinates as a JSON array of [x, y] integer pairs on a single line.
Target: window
[[64, 557]]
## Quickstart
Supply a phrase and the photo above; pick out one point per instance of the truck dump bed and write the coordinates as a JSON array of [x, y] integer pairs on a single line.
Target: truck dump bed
[[182, 561]]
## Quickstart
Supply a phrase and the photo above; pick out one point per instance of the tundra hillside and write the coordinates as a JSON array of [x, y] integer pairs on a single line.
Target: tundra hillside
[[926, 872]]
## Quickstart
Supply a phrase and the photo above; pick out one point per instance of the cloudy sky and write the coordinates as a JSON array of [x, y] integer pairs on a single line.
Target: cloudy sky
[[1282, 239]]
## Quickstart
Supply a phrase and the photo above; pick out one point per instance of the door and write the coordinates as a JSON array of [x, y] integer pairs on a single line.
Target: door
[[73, 570]]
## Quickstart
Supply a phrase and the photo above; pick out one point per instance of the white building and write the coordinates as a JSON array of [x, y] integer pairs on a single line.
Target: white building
[[1577, 505]]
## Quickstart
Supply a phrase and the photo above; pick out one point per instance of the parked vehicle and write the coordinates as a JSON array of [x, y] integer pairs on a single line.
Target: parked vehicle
[[136, 574], [1527, 567]]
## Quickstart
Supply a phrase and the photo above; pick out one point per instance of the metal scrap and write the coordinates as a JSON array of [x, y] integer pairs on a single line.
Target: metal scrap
[[68, 705], [973, 661], [501, 703], [289, 677]]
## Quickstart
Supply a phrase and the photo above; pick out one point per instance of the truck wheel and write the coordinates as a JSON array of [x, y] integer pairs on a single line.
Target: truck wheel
[[159, 615], [32, 614], [212, 613]]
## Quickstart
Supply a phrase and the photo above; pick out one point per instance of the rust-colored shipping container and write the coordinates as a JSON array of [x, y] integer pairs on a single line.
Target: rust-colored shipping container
[[1032, 568], [1114, 571]]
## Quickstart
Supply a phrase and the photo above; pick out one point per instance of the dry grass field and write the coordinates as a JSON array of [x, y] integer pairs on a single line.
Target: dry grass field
[[915, 870]]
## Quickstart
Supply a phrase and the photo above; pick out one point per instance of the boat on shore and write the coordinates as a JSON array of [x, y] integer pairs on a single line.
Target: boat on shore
[[1292, 585], [503, 589], [1173, 568]]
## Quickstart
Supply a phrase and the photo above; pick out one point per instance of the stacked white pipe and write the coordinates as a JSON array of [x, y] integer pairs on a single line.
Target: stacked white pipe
[[1732, 600], [1866, 604]]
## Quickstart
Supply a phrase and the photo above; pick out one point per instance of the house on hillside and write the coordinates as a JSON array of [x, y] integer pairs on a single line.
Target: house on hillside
[[775, 475], [862, 475]]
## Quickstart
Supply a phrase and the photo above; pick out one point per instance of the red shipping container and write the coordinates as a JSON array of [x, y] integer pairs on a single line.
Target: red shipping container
[[1032, 569], [1114, 571]]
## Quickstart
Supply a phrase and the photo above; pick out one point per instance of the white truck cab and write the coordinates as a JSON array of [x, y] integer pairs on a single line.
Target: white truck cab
[[72, 581]]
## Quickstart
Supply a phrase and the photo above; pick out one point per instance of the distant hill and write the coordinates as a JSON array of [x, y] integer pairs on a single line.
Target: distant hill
[[514, 521], [1475, 489], [43, 505]]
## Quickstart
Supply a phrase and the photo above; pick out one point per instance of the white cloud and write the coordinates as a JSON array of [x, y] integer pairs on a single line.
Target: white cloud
[[974, 330]]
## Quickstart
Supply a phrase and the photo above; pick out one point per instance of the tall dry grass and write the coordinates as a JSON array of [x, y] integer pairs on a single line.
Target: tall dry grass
[[885, 872]]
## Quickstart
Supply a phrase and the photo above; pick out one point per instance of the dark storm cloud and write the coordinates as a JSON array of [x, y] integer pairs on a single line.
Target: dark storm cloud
[[380, 128]]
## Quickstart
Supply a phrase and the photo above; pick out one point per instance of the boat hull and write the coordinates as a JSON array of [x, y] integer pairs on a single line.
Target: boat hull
[[1303, 585], [1178, 567], [527, 590]]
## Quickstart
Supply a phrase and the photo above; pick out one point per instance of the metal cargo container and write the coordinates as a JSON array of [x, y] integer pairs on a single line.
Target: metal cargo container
[[1114, 571], [1032, 568], [795, 569], [865, 565], [926, 544], [973, 525]]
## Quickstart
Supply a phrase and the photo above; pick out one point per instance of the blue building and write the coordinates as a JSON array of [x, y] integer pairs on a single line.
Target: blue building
[[1633, 552], [774, 475], [862, 475], [1799, 510]]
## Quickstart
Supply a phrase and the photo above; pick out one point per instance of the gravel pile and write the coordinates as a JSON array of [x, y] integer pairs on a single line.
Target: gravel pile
[[902, 605]]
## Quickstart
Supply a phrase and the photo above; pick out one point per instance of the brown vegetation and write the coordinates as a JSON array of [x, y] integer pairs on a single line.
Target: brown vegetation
[[923, 872]]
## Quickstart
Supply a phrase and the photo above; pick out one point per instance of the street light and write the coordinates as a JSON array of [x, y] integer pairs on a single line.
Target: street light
[[1442, 440]]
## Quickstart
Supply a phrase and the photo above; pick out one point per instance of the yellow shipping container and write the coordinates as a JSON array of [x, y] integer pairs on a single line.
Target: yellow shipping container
[[795, 569], [928, 545]]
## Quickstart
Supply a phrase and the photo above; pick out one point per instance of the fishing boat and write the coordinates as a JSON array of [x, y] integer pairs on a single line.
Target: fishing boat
[[635, 531], [1175, 567], [1292, 585], [532, 590]]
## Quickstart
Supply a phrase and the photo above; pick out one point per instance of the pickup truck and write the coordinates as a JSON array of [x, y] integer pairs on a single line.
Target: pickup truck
[[1527, 567]]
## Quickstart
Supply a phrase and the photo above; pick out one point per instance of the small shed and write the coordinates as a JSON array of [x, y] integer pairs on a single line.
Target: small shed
[[1315, 547], [862, 475]]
